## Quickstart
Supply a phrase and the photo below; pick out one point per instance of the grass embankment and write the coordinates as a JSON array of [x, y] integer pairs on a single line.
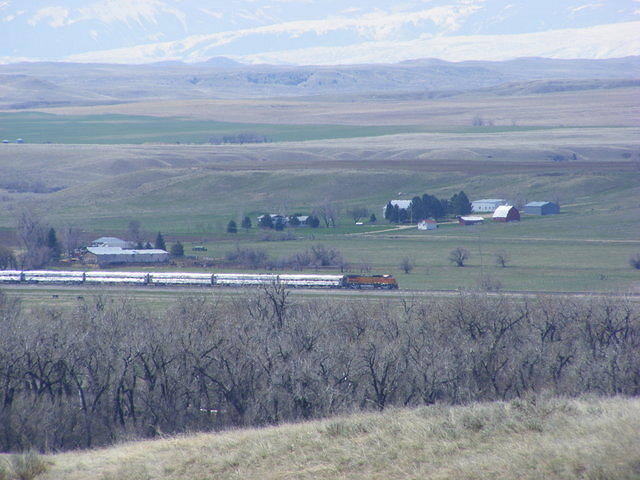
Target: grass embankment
[[523, 439]]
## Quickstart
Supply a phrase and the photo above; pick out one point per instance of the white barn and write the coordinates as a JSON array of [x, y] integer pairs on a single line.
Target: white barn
[[487, 205]]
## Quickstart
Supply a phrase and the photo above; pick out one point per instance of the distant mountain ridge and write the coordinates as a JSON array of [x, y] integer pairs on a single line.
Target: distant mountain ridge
[[37, 85]]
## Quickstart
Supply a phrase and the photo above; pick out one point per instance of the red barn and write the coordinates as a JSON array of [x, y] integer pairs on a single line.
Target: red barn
[[506, 213]]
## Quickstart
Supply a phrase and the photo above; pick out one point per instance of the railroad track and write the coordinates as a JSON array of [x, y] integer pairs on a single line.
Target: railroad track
[[81, 290]]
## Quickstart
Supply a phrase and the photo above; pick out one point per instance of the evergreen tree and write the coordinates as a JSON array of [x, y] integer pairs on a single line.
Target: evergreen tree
[[372, 218], [232, 227], [460, 204], [465, 204], [265, 221], [388, 212], [246, 223], [279, 225], [53, 244], [160, 243], [416, 210], [177, 250], [293, 221], [402, 215], [436, 208], [313, 221], [446, 206], [395, 217]]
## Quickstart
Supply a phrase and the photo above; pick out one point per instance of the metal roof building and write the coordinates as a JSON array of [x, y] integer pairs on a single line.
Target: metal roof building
[[487, 204], [470, 220], [111, 242], [541, 208], [506, 213], [401, 204], [113, 255]]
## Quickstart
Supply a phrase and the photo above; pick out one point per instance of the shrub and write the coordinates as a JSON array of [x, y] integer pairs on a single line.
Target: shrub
[[634, 261], [28, 466]]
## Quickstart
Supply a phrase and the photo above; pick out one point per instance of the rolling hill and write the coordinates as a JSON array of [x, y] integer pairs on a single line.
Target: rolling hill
[[531, 439]]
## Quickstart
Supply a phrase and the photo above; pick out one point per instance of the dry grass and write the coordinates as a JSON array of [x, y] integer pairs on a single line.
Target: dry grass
[[536, 438]]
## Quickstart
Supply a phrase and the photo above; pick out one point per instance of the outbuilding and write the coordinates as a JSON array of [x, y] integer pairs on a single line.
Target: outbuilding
[[116, 255], [470, 220], [427, 224], [487, 204], [506, 213], [541, 208]]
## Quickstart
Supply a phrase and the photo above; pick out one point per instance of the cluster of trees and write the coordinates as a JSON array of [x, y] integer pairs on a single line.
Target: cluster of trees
[[239, 138], [279, 224], [428, 206], [318, 255], [40, 243], [107, 370]]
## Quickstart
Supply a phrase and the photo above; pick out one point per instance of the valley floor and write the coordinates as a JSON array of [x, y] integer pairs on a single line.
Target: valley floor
[[534, 438]]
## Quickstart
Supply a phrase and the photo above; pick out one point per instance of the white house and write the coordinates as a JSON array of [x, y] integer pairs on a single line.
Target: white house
[[427, 225], [487, 204]]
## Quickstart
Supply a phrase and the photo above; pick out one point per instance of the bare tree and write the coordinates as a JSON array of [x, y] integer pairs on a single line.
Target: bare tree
[[7, 258], [459, 255], [32, 232], [70, 237], [502, 258], [133, 230], [358, 213], [407, 264], [328, 212]]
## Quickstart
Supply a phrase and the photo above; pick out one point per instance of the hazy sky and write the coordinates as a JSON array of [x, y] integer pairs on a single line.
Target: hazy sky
[[244, 29]]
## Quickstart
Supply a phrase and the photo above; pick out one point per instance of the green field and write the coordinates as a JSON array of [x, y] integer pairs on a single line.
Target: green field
[[190, 192], [137, 129]]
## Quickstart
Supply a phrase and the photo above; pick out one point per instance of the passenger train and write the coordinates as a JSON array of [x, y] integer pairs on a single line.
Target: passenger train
[[197, 279]]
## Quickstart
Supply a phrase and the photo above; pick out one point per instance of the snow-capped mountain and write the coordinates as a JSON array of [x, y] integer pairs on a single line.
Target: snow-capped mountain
[[316, 31]]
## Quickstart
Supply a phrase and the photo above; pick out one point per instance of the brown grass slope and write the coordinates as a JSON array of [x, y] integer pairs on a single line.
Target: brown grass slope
[[534, 438]]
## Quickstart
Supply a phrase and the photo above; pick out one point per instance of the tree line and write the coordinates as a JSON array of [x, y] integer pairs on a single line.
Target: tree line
[[111, 369]]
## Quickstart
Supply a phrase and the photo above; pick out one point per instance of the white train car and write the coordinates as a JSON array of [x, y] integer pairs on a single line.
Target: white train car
[[180, 278], [312, 281], [10, 276], [52, 276], [244, 279], [118, 278]]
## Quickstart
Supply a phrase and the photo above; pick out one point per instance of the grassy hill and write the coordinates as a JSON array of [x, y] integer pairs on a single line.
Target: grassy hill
[[523, 439]]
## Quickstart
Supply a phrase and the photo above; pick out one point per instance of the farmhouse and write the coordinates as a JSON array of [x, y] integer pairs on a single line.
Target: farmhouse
[[470, 220], [487, 204], [116, 255], [427, 225], [112, 242], [541, 208], [401, 204], [506, 213]]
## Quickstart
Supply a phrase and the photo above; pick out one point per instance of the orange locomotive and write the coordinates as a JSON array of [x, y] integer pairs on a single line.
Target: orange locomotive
[[370, 281]]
